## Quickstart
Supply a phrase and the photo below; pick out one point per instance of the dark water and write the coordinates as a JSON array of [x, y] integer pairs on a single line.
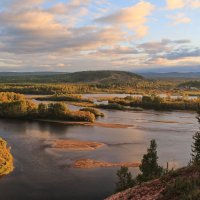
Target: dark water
[[45, 174]]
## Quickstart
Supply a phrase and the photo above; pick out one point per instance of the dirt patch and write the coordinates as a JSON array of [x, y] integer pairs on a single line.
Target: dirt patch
[[74, 145], [88, 163]]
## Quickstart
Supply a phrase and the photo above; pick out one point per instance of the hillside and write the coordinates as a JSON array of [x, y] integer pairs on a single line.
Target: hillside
[[105, 77], [182, 184]]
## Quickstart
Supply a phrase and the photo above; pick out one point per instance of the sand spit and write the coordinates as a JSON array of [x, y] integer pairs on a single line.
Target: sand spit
[[74, 145], [88, 163]]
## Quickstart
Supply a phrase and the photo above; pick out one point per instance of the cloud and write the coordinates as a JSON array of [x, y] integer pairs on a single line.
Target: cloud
[[195, 4], [170, 53], [180, 18], [165, 45], [179, 4], [183, 53], [83, 34], [175, 4], [133, 18]]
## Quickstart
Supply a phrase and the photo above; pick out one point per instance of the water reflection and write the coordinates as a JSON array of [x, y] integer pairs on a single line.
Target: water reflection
[[43, 173]]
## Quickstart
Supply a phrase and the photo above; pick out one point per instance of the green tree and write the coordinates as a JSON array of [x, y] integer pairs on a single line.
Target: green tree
[[125, 179], [196, 146], [149, 166]]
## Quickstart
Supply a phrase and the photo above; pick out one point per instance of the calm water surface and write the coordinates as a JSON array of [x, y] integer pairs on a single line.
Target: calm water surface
[[44, 174]]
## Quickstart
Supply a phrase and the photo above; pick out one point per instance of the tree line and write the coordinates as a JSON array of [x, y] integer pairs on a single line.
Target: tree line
[[158, 103], [14, 105]]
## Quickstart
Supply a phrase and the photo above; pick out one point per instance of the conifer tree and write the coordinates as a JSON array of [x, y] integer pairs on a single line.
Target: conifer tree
[[125, 179], [149, 166]]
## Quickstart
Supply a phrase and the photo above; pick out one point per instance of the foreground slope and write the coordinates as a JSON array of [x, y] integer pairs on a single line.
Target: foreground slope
[[182, 184]]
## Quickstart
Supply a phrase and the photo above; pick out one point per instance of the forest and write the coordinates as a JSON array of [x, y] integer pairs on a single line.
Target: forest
[[14, 105], [158, 103]]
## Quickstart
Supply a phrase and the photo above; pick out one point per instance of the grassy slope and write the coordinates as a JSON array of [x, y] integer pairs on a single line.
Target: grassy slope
[[108, 77]]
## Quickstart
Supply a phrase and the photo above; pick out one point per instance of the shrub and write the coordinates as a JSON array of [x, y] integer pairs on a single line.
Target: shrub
[[95, 111], [183, 188]]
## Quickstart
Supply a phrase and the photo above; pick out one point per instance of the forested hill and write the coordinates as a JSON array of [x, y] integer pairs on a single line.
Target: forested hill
[[105, 77]]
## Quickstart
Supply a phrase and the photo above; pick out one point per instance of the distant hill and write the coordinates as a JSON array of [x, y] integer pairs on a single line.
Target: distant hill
[[174, 75], [104, 77], [2, 74]]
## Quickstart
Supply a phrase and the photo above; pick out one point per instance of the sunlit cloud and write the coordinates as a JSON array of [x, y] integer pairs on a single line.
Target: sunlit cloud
[[178, 4], [73, 35], [180, 18], [134, 18]]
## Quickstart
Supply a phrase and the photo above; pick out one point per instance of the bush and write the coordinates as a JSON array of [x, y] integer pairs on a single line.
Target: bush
[[183, 188], [95, 111], [80, 116]]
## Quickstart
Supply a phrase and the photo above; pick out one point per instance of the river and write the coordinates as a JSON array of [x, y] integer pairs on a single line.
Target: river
[[45, 174]]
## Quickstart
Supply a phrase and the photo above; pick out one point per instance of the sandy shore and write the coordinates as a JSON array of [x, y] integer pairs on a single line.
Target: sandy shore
[[74, 145], [88, 163], [99, 124]]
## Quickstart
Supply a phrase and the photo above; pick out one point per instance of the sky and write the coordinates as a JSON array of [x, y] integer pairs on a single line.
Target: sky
[[79, 35]]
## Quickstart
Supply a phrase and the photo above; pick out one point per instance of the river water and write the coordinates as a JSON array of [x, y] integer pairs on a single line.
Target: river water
[[44, 174]]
